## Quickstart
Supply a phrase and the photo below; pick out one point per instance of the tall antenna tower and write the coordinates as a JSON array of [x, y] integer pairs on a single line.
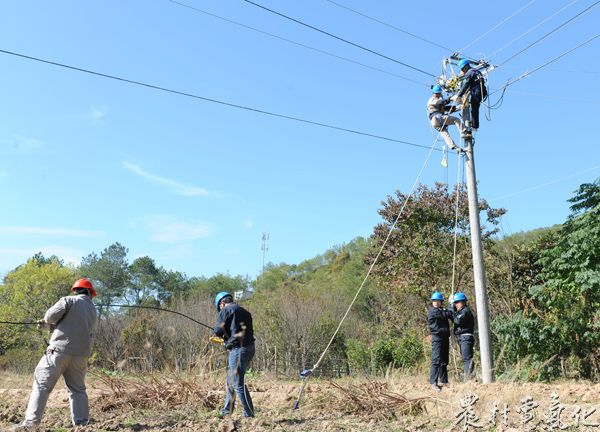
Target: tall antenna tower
[[264, 247]]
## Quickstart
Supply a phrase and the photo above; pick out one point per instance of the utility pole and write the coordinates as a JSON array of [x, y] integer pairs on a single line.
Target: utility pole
[[481, 297]]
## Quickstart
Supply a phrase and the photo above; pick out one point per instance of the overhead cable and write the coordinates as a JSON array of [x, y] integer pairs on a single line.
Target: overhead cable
[[543, 185], [498, 25], [297, 43], [389, 25], [207, 99], [532, 29], [527, 73], [339, 38], [551, 32]]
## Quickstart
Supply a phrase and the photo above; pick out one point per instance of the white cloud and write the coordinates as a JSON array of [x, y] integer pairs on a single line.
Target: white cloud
[[178, 188], [167, 229], [64, 232], [27, 143], [67, 254], [98, 114]]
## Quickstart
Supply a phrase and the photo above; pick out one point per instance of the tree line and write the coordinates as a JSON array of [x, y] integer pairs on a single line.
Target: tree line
[[544, 293]]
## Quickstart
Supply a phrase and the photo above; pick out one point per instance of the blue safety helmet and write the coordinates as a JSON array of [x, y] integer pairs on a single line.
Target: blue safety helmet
[[460, 297], [437, 296], [436, 89], [462, 63], [220, 297]]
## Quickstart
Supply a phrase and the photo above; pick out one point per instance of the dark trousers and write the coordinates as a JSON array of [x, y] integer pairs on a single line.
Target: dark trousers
[[466, 342], [440, 348], [475, 103]]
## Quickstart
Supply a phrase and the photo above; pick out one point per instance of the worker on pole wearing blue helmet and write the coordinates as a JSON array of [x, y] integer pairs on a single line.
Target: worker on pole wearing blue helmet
[[234, 325], [439, 326], [437, 110], [472, 92], [464, 329]]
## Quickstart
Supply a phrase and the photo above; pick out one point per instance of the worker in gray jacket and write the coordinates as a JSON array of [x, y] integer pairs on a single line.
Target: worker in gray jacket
[[72, 321], [437, 110]]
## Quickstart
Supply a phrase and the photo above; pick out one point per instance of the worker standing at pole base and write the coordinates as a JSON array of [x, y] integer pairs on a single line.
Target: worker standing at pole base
[[234, 325], [472, 91], [437, 108], [464, 330], [439, 326], [72, 321]]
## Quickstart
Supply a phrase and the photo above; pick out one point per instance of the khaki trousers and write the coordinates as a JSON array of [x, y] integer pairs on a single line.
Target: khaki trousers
[[49, 369], [447, 120]]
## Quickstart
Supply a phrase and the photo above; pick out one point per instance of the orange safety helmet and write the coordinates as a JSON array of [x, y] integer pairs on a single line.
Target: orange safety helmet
[[84, 283]]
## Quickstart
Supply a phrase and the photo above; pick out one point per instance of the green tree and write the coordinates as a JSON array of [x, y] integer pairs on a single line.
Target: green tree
[[144, 282], [26, 294], [418, 256], [569, 298], [172, 284], [109, 273]]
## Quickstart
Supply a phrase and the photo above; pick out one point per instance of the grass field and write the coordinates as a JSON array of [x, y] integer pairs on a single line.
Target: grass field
[[393, 403]]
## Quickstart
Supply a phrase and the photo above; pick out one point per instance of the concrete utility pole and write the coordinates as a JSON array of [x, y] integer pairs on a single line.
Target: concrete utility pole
[[481, 297]]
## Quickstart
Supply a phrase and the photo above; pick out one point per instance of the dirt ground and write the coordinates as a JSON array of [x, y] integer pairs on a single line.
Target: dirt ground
[[191, 404]]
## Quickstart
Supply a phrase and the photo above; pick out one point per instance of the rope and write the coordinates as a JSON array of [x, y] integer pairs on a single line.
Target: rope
[[17, 323], [458, 188], [317, 364], [160, 309]]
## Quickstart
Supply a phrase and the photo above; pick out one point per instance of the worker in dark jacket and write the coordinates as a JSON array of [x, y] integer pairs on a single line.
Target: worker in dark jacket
[[472, 92], [234, 325], [439, 326], [464, 330]]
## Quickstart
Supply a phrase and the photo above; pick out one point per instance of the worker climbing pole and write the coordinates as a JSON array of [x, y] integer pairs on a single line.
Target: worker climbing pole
[[469, 91]]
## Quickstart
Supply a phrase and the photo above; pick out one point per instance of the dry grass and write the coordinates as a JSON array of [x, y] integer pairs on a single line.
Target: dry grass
[[155, 392], [165, 402], [374, 399]]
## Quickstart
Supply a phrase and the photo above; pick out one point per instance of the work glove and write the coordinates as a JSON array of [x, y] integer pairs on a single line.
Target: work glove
[[454, 98], [43, 325]]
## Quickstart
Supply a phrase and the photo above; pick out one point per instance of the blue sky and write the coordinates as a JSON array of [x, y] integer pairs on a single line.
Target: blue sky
[[86, 161]]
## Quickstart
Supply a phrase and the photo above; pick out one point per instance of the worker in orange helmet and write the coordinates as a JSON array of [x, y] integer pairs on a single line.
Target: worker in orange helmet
[[72, 323]]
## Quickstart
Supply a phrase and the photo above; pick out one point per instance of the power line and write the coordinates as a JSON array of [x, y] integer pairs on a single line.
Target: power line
[[389, 25], [550, 32], [297, 43], [339, 38], [543, 185], [526, 74], [532, 28], [499, 24], [207, 99]]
